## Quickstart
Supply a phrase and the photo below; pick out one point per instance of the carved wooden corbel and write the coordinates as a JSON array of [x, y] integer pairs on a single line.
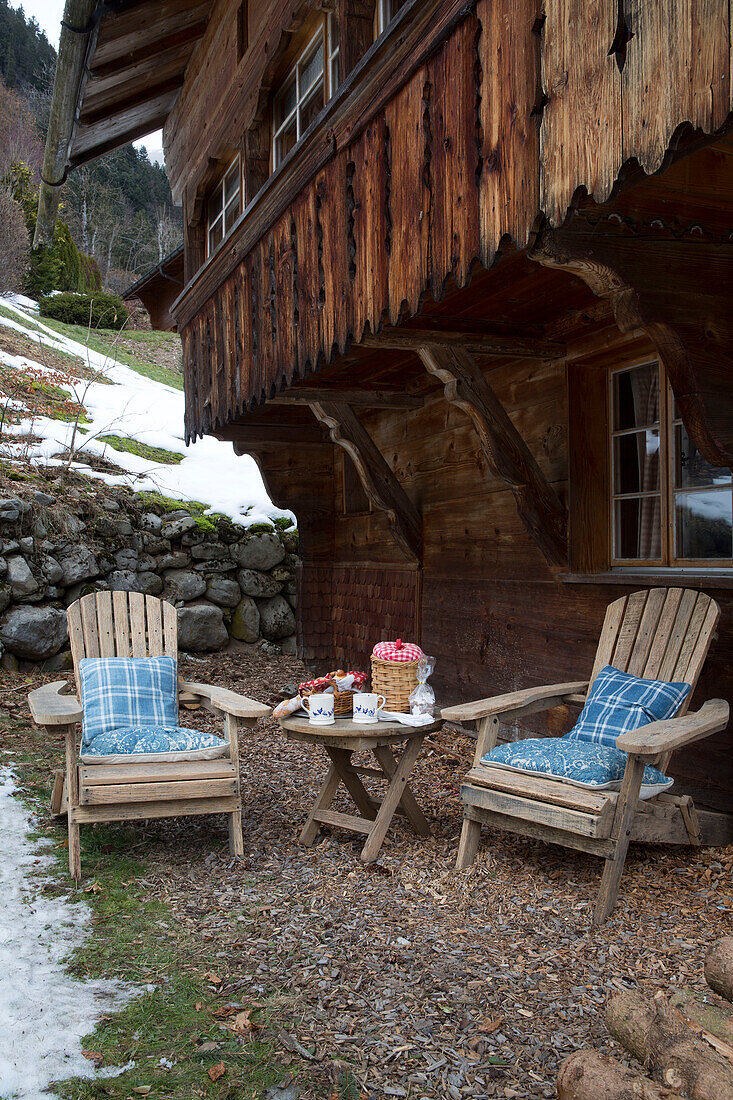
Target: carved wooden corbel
[[539, 506], [677, 290], [380, 484]]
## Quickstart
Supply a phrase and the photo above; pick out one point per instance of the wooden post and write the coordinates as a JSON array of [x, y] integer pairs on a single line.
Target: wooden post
[[356, 32], [72, 787], [628, 800], [236, 841], [539, 506]]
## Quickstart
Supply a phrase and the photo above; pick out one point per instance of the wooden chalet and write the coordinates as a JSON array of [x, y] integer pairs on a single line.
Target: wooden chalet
[[458, 274], [158, 289]]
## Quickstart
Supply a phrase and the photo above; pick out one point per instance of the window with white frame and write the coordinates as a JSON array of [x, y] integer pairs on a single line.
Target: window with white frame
[[669, 506], [224, 206], [384, 12], [307, 87]]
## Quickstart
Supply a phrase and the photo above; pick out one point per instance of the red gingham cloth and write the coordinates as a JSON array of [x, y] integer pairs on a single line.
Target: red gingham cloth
[[315, 686], [398, 651]]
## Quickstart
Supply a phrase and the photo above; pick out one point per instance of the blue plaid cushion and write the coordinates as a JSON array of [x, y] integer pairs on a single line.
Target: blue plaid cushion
[[618, 703], [583, 764], [147, 740], [127, 691]]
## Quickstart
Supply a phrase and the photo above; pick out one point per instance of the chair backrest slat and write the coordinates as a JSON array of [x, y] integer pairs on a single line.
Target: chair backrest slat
[[628, 630], [647, 631], [121, 624], [661, 633], [137, 624], [155, 626], [105, 625]]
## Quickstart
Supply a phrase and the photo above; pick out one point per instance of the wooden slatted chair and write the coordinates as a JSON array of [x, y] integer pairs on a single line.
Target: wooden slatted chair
[[660, 634], [128, 624]]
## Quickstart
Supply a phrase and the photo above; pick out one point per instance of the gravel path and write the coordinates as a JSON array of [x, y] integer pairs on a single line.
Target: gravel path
[[427, 982]]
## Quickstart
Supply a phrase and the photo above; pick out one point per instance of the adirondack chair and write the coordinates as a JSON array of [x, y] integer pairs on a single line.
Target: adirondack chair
[[128, 624], [660, 634]]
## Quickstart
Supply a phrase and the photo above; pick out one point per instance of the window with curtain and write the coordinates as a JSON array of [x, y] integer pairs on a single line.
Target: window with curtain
[[224, 206], [305, 89], [669, 506]]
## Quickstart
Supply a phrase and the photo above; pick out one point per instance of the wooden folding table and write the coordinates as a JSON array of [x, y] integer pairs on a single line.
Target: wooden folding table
[[340, 741]]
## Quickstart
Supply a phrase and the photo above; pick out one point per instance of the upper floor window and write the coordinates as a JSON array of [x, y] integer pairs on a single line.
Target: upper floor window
[[668, 505], [306, 88], [224, 206], [384, 12]]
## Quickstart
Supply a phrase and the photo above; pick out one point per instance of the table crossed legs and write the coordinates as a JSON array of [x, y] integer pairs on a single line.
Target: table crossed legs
[[375, 816]]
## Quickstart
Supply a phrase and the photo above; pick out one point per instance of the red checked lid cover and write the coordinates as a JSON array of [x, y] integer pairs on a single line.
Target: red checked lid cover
[[397, 651]]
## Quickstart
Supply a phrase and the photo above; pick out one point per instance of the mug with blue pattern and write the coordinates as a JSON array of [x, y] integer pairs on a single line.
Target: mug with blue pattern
[[320, 709], [367, 706]]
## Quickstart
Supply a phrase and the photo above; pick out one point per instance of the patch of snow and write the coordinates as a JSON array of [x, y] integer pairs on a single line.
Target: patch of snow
[[45, 1012], [21, 302], [151, 413]]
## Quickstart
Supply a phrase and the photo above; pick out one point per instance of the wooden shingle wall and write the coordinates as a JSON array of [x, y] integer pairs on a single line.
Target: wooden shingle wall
[[511, 115]]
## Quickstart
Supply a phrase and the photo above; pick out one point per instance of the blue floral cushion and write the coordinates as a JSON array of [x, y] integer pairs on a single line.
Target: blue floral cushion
[[167, 742], [118, 692], [618, 703], [581, 763]]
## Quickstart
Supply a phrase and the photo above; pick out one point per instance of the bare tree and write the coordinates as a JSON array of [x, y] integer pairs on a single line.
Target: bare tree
[[15, 245]]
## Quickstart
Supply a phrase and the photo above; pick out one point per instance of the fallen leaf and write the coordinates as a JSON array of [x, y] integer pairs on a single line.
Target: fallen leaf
[[142, 1090], [95, 1056], [487, 1026], [209, 1045], [217, 1071], [199, 1005], [212, 977], [226, 1010]]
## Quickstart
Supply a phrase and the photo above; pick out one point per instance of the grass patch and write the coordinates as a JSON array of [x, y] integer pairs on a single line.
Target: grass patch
[[170, 504], [12, 316], [144, 450], [110, 343]]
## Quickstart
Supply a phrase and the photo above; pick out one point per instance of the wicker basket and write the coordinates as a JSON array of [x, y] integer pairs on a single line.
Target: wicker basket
[[395, 680]]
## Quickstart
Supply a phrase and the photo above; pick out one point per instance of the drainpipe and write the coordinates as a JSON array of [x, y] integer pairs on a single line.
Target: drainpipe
[[79, 22]]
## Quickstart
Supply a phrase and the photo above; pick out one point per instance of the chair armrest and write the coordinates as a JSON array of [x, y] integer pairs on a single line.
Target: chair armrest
[[539, 698], [662, 737], [51, 706], [225, 701]]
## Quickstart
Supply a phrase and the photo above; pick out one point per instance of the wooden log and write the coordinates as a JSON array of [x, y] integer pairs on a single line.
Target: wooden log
[[676, 1055], [719, 967], [714, 1018], [586, 1075]]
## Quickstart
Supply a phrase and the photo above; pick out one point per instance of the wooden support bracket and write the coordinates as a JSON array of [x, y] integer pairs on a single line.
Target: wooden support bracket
[[380, 484], [477, 343], [539, 506]]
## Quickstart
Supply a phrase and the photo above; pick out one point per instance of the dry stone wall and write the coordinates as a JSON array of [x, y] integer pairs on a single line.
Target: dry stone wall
[[227, 581]]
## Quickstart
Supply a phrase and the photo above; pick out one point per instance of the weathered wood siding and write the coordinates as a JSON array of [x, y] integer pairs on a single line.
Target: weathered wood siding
[[509, 117]]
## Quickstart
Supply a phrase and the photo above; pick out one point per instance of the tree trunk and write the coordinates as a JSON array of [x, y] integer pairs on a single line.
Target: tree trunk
[[719, 967], [676, 1054], [586, 1075]]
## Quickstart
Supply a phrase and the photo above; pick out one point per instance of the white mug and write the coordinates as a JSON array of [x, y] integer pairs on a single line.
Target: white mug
[[367, 707], [320, 709]]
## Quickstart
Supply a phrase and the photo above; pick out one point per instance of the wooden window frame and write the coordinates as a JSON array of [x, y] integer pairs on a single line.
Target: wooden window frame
[[329, 78], [383, 16], [220, 187], [667, 490]]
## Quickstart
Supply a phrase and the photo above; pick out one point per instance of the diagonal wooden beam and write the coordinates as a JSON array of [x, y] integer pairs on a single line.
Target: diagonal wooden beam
[[380, 484], [371, 399], [475, 343], [539, 506]]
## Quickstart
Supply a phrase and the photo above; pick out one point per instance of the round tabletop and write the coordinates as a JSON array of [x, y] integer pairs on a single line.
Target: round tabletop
[[348, 728]]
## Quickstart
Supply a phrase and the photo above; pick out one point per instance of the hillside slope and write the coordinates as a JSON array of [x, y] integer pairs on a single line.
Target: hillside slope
[[129, 429]]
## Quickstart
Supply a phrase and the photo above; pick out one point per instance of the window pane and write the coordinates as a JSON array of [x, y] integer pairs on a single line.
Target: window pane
[[690, 468], [636, 397], [310, 109], [638, 528], [231, 183], [333, 31], [285, 102], [636, 462], [285, 142], [215, 235], [703, 524], [311, 68], [231, 213], [213, 209]]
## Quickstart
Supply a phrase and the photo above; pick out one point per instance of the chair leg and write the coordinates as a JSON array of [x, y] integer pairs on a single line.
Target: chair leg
[[610, 882], [74, 851], [468, 847], [236, 840]]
